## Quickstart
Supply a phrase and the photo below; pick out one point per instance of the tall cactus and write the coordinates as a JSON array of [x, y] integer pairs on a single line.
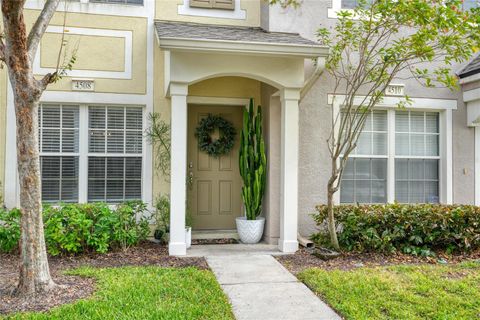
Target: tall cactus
[[253, 162]]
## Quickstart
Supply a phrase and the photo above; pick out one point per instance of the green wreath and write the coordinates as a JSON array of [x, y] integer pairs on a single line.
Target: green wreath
[[222, 145]]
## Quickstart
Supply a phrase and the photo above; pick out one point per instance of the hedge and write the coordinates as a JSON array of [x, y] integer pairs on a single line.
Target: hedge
[[77, 228], [413, 229]]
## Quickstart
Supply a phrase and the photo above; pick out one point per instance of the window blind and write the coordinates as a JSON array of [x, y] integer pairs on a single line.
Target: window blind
[[417, 136], [59, 146], [365, 175], [115, 153]]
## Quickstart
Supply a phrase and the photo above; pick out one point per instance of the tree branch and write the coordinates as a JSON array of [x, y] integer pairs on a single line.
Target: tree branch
[[2, 50], [46, 80], [40, 26]]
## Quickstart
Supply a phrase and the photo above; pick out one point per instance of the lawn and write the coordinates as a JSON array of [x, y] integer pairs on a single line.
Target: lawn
[[400, 292], [145, 293]]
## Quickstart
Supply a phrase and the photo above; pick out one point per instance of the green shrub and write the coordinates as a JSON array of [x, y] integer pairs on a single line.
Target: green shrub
[[9, 229], [127, 231], [76, 228], [412, 229]]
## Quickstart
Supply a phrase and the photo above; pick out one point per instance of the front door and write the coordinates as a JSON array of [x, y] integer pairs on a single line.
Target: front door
[[214, 186]]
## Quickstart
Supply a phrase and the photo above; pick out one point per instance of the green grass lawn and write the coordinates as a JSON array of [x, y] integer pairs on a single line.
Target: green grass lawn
[[145, 293], [400, 292]]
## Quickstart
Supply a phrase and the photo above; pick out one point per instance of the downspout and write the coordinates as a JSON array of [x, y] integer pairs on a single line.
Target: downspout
[[319, 68], [308, 84]]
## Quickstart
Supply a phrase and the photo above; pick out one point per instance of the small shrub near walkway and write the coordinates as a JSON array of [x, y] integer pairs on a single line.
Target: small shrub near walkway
[[400, 292], [412, 229]]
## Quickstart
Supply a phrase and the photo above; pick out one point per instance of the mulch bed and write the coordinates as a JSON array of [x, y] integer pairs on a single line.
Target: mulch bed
[[303, 259], [73, 287]]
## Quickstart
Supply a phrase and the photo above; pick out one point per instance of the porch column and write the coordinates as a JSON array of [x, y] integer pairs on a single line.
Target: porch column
[[178, 175], [289, 171]]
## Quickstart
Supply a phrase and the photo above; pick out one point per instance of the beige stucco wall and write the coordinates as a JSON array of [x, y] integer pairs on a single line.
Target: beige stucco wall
[[3, 112], [98, 53], [168, 10]]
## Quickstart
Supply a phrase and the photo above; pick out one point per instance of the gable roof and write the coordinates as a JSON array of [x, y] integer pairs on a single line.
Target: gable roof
[[473, 67], [197, 31]]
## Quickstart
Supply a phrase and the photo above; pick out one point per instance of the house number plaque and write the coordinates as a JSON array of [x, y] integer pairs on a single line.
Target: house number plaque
[[397, 90], [83, 85]]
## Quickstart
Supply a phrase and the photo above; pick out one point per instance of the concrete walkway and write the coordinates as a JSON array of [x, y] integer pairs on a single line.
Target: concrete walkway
[[260, 288]]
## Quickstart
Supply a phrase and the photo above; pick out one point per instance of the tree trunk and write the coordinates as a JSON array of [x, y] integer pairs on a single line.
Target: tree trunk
[[331, 218], [34, 270], [18, 51]]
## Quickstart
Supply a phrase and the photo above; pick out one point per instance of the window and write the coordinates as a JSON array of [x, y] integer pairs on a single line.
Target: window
[[115, 154], [216, 4], [470, 4], [351, 4], [138, 2], [416, 157], [58, 134], [112, 156], [365, 175]]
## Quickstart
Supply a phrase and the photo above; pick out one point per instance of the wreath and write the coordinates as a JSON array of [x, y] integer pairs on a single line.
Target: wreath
[[222, 145]]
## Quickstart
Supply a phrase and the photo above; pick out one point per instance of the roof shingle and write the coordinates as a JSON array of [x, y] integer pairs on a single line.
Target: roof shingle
[[471, 68], [196, 31]]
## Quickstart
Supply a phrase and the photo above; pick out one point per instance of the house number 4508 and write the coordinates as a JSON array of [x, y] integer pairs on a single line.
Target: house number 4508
[[83, 85]]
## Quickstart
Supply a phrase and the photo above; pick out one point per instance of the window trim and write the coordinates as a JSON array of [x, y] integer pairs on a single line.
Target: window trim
[[444, 107], [83, 151], [332, 12]]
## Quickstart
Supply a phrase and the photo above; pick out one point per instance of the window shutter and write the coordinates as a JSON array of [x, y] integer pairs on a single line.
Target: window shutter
[[224, 4], [201, 3]]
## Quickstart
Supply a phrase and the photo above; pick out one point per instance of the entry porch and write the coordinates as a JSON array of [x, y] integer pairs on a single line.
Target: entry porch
[[195, 53]]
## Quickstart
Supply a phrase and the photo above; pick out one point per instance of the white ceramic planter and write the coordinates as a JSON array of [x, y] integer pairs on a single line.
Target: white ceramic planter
[[250, 231], [188, 236]]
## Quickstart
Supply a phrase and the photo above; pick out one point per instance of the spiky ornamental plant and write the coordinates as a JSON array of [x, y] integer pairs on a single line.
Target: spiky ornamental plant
[[253, 162]]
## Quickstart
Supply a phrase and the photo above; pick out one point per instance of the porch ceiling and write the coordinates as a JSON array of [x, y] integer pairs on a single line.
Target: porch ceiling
[[247, 40]]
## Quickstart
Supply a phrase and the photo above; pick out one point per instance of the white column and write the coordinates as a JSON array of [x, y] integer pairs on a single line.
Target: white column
[[289, 171], [446, 153], [477, 166], [178, 176]]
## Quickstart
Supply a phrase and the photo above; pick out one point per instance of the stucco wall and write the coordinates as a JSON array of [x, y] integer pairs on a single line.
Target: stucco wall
[[315, 115], [105, 52], [168, 10]]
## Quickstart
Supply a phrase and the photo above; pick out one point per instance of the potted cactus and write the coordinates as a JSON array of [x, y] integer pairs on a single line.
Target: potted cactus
[[253, 170]]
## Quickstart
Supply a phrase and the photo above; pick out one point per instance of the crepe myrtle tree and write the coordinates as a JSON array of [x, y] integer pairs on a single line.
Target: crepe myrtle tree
[[378, 42], [17, 52]]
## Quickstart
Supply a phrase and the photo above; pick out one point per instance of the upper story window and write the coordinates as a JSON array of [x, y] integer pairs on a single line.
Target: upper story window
[[214, 4], [470, 4], [351, 4], [136, 2]]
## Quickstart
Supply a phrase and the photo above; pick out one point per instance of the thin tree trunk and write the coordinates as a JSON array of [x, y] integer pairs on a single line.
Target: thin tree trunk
[[331, 220], [34, 270], [332, 229]]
